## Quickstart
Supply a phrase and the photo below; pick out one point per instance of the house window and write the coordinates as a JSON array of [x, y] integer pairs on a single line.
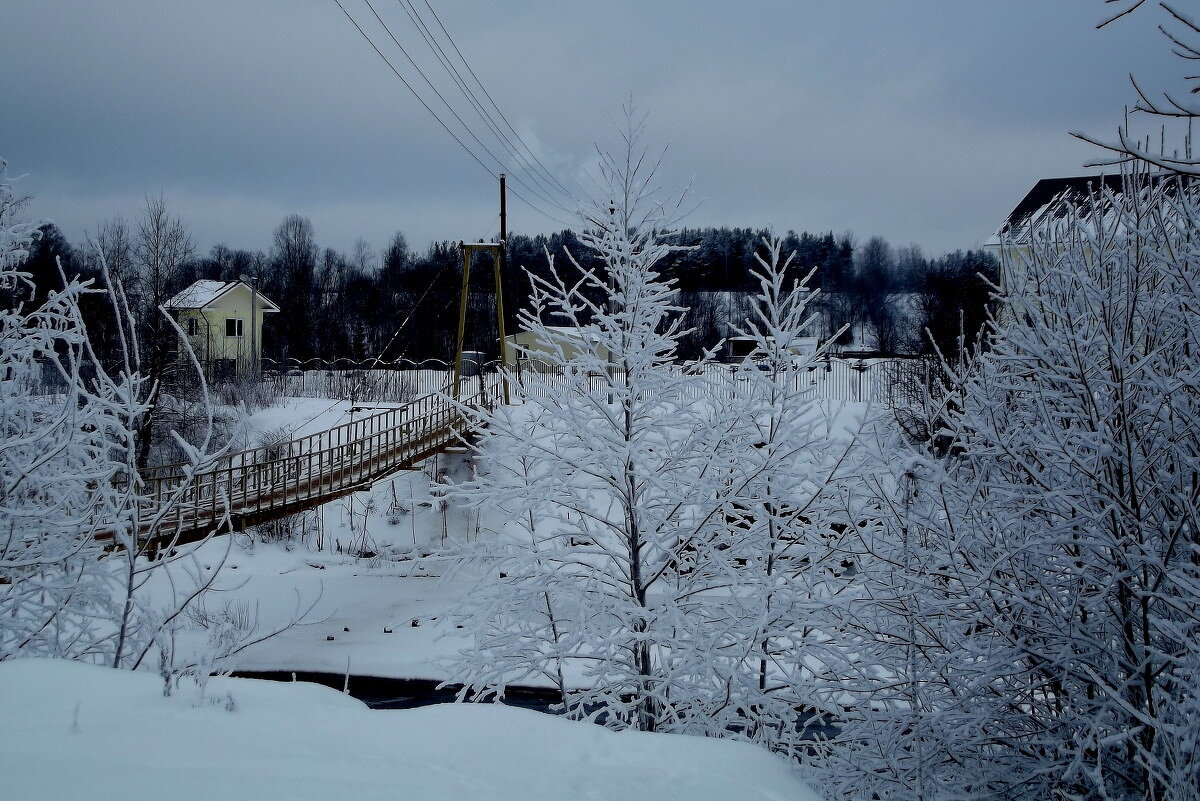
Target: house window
[[193, 326], [233, 327]]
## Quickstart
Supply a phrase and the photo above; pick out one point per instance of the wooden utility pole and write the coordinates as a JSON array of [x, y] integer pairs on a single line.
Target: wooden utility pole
[[502, 269], [503, 222]]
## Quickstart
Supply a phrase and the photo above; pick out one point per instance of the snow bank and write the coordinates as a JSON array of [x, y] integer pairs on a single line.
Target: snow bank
[[304, 416], [76, 731]]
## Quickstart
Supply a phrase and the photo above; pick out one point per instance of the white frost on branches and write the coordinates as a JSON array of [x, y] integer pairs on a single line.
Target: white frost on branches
[[1036, 612], [59, 455], [70, 489], [663, 535]]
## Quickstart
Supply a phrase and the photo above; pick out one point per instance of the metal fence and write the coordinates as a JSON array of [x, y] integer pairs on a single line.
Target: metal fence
[[884, 381], [394, 386], [893, 382]]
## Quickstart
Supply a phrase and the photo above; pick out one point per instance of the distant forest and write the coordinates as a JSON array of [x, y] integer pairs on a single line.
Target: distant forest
[[400, 304]]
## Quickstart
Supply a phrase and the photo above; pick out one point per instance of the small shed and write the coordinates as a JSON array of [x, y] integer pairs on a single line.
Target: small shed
[[223, 321], [527, 347], [740, 348]]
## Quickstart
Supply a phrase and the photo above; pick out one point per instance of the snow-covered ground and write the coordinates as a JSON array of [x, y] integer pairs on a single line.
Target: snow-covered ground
[[386, 615], [75, 731], [302, 416], [363, 610]]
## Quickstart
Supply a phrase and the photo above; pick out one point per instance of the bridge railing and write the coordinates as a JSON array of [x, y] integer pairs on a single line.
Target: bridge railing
[[305, 470]]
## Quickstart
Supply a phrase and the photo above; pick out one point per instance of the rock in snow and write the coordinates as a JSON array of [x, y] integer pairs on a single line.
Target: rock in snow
[[70, 731]]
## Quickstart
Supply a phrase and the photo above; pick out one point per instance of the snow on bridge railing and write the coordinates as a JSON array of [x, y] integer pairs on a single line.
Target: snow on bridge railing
[[308, 470]]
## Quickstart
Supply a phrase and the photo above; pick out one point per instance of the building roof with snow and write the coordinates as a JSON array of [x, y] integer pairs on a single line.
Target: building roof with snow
[[204, 293], [1051, 198]]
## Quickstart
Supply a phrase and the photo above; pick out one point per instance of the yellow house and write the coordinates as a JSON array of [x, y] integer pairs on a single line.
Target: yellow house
[[223, 322]]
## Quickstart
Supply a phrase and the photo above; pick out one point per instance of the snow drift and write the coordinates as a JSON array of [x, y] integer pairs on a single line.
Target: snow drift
[[77, 731]]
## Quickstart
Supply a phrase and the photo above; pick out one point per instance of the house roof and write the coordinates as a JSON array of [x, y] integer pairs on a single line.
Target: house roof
[[202, 294], [1058, 190], [1050, 198], [1049, 195], [561, 333], [571, 332]]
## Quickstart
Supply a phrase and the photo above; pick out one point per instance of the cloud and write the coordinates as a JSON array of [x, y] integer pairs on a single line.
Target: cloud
[[924, 122]]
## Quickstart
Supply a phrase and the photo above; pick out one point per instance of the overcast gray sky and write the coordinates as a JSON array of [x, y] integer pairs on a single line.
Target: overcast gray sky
[[924, 121]]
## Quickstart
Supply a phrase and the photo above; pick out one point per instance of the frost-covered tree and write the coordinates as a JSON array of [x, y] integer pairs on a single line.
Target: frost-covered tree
[[609, 479], [1035, 620], [291, 279], [69, 484], [1175, 109], [156, 255], [56, 453], [658, 525], [793, 494]]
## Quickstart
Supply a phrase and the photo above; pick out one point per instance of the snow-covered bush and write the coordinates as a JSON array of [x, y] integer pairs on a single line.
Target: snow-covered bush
[[59, 457], [76, 521], [1036, 622]]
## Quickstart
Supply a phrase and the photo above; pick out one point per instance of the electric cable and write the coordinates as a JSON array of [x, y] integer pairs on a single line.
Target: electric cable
[[387, 29], [488, 95], [448, 65], [440, 121]]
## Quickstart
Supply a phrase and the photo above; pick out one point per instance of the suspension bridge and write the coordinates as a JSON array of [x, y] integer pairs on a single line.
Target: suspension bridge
[[250, 487], [266, 483]]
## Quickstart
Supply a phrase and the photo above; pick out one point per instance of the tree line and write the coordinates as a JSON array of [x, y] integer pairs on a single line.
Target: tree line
[[392, 304]]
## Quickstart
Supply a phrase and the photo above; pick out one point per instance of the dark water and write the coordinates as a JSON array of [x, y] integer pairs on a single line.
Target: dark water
[[383, 693]]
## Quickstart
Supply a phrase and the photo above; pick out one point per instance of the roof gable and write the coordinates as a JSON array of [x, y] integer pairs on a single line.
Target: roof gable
[[1052, 198], [204, 293], [1054, 191]]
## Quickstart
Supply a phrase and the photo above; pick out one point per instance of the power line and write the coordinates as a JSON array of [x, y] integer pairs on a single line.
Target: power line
[[430, 109], [488, 95], [420, 99], [518, 195], [440, 121], [450, 108], [448, 65]]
